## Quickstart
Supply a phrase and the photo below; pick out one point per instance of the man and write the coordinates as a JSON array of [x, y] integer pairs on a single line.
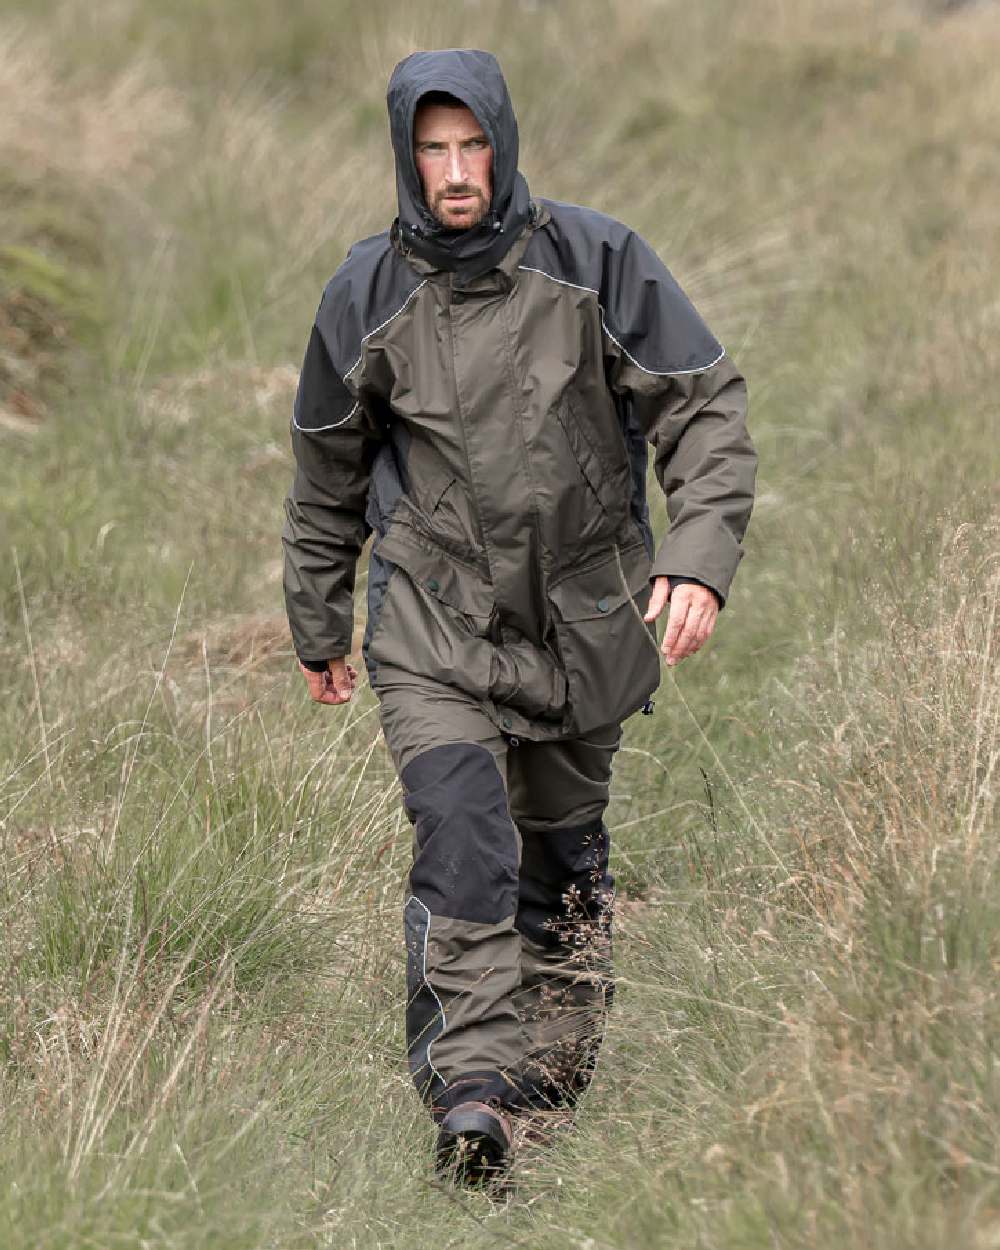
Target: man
[[479, 389]]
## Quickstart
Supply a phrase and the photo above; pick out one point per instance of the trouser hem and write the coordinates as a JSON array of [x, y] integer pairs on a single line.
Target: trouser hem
[[486, 1086]]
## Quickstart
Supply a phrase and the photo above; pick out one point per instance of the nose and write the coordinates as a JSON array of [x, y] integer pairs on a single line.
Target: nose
[[456, 163]]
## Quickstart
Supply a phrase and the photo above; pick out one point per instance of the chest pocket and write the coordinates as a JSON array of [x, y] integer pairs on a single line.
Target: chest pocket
[[608, 483], [437, 506]]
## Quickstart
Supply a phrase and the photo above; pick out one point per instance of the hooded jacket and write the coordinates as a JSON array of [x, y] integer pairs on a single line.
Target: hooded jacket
[[483, 401]]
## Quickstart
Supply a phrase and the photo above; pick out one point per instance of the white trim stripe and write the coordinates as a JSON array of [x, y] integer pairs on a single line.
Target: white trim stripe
[[315, 429], [562, 281], [366, 337], [444, 1019], [659, 373]]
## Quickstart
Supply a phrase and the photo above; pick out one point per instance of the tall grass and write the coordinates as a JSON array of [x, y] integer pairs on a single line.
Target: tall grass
[[201, 978]]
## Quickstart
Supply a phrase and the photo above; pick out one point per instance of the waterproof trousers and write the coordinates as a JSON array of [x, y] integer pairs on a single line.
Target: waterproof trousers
[[508, 915]]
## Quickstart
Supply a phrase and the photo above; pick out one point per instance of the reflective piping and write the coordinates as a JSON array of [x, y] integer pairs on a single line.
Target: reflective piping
[[562, 282], [366, 337], [314, 429], [659, 373], [444, 1020]]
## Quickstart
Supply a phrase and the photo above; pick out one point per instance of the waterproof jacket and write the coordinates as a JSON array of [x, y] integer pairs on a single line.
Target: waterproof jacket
[[483, 401]]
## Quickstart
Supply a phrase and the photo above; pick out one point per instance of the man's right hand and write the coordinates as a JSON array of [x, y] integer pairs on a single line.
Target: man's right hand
[[335, 685]]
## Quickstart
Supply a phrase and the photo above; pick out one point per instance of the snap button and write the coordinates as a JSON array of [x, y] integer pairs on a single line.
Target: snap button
[[603, 605], [433, 585], [458, 298], [506, 722]]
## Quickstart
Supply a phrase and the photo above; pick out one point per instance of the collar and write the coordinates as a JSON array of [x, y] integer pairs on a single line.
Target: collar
[[499, 279]]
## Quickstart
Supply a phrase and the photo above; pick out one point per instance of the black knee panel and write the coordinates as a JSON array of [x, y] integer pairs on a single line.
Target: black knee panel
[[564, 883], [466, 865]]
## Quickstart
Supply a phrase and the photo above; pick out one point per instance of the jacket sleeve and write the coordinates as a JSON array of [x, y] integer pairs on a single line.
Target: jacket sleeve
[[334, 440], [690, 402]]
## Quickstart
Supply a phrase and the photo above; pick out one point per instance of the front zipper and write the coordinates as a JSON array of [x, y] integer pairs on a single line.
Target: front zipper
[[473, 497]]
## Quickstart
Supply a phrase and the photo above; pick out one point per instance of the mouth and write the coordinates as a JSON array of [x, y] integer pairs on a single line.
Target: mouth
[[459, 209]]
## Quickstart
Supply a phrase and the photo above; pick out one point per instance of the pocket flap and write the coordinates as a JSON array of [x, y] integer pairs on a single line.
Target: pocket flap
[[597, 590], [438, 573], [428, 483]]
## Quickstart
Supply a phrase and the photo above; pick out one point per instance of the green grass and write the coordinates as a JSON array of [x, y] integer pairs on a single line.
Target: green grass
[[201, 964]]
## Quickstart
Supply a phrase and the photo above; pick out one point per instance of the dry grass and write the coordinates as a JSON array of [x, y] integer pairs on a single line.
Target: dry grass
[[200, 966], [107, 133]]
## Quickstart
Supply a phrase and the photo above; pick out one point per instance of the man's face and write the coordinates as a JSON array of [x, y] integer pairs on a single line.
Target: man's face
[[455, 162]]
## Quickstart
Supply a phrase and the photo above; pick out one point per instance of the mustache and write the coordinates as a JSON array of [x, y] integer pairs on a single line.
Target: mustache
[[459, 188]]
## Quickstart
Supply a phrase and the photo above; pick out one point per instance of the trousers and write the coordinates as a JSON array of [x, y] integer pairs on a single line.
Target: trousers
[[507, 919]]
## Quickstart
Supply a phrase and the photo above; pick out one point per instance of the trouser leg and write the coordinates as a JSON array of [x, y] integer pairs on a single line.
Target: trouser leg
[[465, 1040], [558, 796]]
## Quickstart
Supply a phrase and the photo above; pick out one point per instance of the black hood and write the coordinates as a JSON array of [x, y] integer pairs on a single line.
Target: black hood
[[474, 78]]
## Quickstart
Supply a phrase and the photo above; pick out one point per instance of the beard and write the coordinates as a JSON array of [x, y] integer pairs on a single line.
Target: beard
[[471, 217]]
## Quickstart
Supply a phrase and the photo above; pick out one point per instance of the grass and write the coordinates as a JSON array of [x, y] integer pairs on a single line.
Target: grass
[[201, 966]]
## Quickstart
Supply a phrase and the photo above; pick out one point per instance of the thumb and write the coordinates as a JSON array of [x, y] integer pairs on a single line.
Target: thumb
[[660, 595]]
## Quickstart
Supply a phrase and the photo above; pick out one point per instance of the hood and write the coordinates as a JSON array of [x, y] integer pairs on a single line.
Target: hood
[[476, 79]]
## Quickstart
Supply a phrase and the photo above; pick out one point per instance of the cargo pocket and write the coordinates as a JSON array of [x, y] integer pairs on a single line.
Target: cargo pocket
[[608, 652], [435, 616], [436, 621], [525, 678]]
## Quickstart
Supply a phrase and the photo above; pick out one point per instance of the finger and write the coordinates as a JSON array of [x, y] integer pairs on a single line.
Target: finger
[[333, 695], [702, 630], [321, 686], [660, 595], [679, 607], [707, 626], [342, 685], [688, 636]]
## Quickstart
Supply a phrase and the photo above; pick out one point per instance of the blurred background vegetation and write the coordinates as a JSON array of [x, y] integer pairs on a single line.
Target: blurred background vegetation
[[201, 979]]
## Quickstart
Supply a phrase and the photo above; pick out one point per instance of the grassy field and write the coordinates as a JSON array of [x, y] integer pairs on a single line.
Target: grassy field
[[201, 965]]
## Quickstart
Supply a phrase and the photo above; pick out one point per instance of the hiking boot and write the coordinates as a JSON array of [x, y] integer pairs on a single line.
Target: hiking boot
[[474, 1144]]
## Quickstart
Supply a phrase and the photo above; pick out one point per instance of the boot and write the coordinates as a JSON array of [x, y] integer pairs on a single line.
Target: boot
[[475, 1143]]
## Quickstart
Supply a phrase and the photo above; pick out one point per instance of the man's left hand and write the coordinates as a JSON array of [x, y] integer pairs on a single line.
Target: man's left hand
[[693, 613]]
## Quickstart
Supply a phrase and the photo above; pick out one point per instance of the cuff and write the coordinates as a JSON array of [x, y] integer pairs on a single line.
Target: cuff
[[314, 666], [693, 581]]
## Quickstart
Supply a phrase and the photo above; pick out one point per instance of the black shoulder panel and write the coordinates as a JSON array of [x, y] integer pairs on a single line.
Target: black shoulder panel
[[372, 285], [322, 401], [644, 310]]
